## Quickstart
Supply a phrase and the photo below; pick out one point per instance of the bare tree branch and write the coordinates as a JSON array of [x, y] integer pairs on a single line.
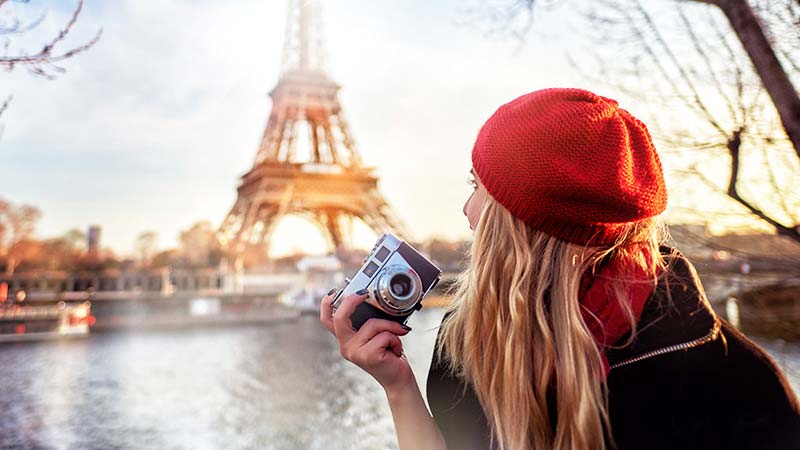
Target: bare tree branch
[[4, 106], [43, 62], [705, 70], [762, 54], [681, 70], [734, 147], [773, 180], [700, 49], [17, 27], [3, 109]]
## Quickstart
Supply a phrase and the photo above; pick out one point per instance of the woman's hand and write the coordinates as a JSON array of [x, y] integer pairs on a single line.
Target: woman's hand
[[375, 347]]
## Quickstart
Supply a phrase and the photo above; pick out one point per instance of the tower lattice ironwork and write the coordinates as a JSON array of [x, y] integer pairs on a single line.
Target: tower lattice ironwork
[[323, 180]]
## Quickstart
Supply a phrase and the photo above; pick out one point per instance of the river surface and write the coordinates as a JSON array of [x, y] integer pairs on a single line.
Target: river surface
[[281, 387]]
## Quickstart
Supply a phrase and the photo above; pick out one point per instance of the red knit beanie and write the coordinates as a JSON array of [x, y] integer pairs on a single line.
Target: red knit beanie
[[570, 163]]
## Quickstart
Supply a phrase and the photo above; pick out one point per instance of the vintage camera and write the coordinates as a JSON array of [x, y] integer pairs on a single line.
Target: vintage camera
[[396, 278]]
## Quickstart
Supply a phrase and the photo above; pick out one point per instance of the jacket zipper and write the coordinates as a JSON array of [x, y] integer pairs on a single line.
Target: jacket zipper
[[711, 336]]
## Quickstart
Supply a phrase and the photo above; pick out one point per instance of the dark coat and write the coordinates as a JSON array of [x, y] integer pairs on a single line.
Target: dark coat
[[724, 394]]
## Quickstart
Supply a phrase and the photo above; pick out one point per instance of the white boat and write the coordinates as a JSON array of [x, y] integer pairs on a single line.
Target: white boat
[[37, 323]]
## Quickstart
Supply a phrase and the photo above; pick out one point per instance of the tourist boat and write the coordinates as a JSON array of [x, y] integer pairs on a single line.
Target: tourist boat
[[36, 323]]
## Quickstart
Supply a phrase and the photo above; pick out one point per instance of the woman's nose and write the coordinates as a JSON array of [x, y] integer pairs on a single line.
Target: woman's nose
[[466, 204]]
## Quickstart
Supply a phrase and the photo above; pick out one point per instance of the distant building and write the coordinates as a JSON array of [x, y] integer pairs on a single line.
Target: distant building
[[761, 245], [93, 239], [765, 250]]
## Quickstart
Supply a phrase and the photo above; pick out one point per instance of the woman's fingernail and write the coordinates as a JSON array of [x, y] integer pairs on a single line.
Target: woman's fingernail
[[405, 327], [331, 291], [361, 292]]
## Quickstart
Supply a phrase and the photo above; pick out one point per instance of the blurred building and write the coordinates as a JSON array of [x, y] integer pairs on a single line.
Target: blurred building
[[737, 252], [93, 240]]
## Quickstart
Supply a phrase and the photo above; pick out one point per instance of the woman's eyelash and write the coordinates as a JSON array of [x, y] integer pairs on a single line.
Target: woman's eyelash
[[471, 181]]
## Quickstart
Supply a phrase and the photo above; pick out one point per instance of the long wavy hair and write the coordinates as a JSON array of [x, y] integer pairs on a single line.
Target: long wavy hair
[[515, 330]]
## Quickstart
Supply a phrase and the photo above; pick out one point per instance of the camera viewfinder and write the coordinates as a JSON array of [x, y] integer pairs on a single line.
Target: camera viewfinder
[[370, 269], [382, 254]]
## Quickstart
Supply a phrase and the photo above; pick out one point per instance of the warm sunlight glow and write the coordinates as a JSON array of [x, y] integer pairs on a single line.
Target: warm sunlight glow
[[363, 237], [295, 234]]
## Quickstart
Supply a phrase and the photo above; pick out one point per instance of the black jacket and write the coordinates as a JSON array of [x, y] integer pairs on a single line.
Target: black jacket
[[726, 393]]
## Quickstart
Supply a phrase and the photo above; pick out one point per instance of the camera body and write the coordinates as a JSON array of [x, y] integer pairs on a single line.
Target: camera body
[[396, 278]]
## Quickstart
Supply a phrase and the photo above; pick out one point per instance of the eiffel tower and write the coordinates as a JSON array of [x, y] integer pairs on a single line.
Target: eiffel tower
[[327, 182]]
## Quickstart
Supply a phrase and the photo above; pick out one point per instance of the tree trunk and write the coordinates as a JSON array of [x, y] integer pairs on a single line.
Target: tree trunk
[[773, 76]]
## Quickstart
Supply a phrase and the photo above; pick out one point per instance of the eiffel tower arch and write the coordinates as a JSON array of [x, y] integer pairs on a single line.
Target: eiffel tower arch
[[327, 183]]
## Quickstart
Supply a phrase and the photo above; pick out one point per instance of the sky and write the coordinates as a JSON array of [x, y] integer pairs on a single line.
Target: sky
[[153, 126]]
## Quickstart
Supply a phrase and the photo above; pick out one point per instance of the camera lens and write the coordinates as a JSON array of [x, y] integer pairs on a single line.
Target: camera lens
[[400, 285], [399, 288]]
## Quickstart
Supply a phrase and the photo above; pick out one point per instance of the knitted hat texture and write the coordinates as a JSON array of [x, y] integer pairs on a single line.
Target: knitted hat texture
[[570, 163]]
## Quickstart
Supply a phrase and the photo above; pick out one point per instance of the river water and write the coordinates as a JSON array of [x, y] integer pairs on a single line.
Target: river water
[[281, 387]]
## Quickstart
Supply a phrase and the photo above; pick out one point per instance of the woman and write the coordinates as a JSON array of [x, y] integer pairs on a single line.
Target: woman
[[573, 328]]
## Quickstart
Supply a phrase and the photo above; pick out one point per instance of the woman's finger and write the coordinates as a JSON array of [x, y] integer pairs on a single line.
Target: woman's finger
[[384, 341], [326, 310], [342, 325], [374, 326]]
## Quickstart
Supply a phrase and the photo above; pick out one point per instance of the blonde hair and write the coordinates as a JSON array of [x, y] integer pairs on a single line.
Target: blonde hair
[[515, 330]]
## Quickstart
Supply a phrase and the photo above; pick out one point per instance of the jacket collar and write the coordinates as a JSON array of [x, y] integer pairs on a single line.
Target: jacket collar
[[676, 313]]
